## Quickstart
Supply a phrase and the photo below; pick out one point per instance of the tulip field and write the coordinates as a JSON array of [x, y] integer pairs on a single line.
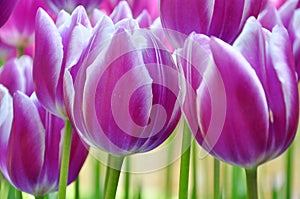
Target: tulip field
[[149, 99]]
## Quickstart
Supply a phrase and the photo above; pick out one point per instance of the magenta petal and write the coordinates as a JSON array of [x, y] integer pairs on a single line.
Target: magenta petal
[[11, 77], [6, 117], [47, 61], [7, 7], [246, 113], [26, 144], [78, 156], [121, 11], [283, 90]]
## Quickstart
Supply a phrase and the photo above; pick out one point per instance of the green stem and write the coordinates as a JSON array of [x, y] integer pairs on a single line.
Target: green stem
[[289, 172], [251, 176], [18, 194], [64, 168], [21, 50], [39, 197], [216, 179], [169, 171], [127, 178], [185, 163], [112, 176], [195, 169], [97, 192], [77, 189]]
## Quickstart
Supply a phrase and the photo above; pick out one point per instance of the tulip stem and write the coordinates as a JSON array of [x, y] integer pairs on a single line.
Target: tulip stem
[[21, 50], [97, 193], [112, 176], [77, 187], [127, 178], [18, 194], [194, 170], [289, 172], [251, 176], [64, 168], [39, 197], [185, 163], [216, 178]]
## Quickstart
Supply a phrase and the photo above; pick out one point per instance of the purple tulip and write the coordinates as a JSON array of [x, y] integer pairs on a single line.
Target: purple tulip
[[244, 105], [124, 98], [289, 16], [6, 9], [221, 18], [57, 47], [16, 74], [19, 29], [69, 5], [137, 7], [31, 147]]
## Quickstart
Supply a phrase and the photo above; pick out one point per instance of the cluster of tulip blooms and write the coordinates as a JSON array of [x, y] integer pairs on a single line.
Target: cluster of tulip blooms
[[118, 76]]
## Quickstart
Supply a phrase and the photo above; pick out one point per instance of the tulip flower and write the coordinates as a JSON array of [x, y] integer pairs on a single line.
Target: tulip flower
[[136, 6], [19, 29], [223, 19], [16, 74], [69, 5], [33, 147], [289, 16], [123, 99], [260, 93], [120, 12], [255, 80], [57, 47], [6, 10]]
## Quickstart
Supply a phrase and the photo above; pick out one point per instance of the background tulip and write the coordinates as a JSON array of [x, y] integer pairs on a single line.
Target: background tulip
[[259, 116], [69, 5], [32, 148], [57, 47], [123, 99], [287, 15], [6, 9], [122, 11], [221, 18], [277, 3], [19, 29], [16, 74], [136, 6]]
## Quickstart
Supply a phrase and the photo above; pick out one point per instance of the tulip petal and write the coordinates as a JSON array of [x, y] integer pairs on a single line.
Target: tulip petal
[[246, 113], [6, 9], [283, 87], [26, 144], [6, 117], [48, 60]]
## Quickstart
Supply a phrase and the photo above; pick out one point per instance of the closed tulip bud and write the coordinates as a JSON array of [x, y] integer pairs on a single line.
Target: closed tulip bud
[[244, 98], [57, 48], [125, 96], [220, 18], [31, 147]]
